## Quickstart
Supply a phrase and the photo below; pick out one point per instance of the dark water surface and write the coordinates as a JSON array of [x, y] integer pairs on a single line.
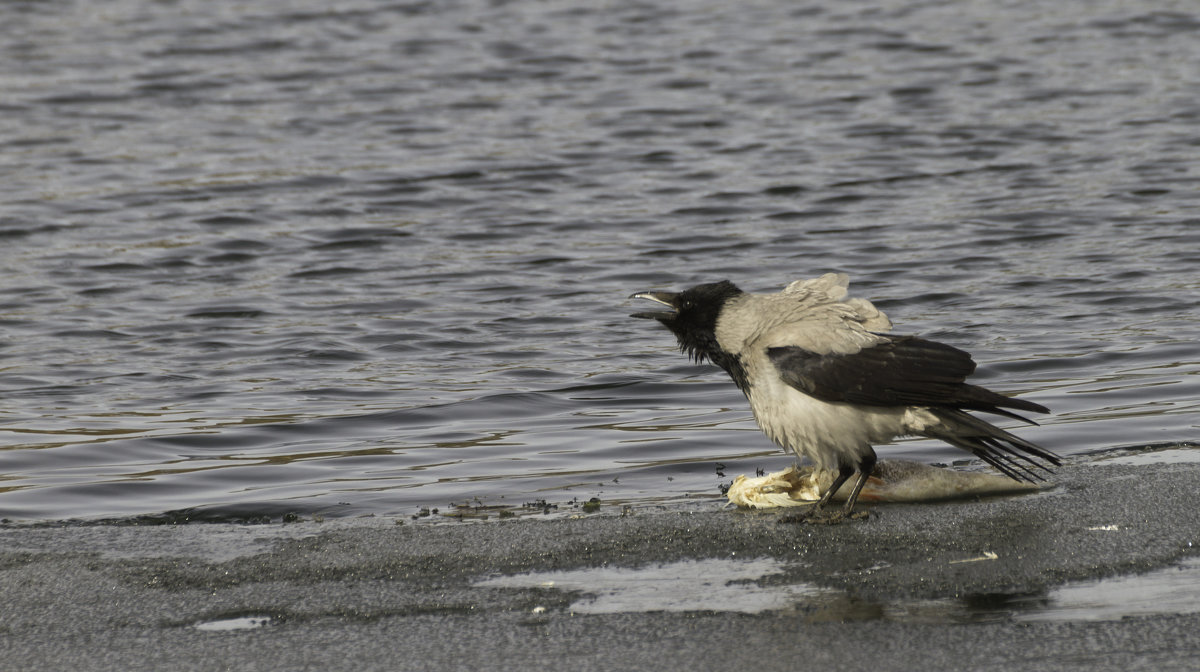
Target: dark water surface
[[368, 257]]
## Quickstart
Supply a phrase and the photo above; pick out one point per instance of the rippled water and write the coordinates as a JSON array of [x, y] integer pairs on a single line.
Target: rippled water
[[365, 258]]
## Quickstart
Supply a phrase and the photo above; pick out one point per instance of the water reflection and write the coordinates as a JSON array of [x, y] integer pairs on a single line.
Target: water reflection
[[751, 586]]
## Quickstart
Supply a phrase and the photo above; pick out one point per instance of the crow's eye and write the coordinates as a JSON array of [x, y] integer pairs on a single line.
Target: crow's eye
[[688, 305]]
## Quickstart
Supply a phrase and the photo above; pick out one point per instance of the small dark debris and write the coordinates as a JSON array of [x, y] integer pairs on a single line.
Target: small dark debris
[[540, 504]]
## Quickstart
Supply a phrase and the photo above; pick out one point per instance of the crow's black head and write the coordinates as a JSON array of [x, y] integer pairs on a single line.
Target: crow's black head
[[693, 317]]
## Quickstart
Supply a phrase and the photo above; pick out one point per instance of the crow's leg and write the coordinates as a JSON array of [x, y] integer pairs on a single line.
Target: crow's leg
[[866, 465], [817, 513]]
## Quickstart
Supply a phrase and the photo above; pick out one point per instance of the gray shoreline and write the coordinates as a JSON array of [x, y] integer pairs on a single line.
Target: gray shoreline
[[941, 586]]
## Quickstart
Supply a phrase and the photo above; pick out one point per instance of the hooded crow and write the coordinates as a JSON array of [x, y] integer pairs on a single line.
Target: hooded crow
[[826, 379]]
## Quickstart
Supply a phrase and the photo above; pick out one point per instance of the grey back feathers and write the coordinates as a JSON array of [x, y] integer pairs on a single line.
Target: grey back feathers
[[811, 314]]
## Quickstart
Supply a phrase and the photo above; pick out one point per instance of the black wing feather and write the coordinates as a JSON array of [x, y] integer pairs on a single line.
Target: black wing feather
[[903, 371], [1006, 452]]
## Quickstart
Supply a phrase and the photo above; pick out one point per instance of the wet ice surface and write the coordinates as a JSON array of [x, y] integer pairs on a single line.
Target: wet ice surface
[[690, 585], [734, 585], [1174, 590], [1152, 454], [234, 624], [364, 259]]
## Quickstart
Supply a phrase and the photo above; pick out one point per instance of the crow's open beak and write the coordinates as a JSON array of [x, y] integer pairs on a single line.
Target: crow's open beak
[[665, 298]]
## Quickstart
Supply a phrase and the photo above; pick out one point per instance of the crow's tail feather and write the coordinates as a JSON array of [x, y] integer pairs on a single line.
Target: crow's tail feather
[[1008, 453]]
